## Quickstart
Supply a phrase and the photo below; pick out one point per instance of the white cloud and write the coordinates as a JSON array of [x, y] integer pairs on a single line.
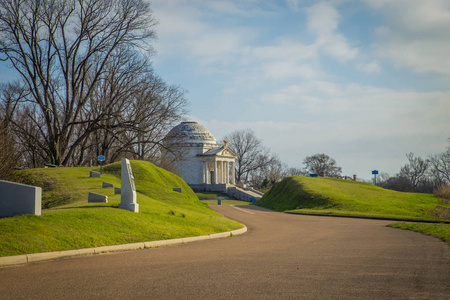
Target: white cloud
[[286, 49], [323, 20], [285, 69], [286, 59], [182, 32], [336, 46], [362, 127], [394, 113], [372, 67], [416, 34]]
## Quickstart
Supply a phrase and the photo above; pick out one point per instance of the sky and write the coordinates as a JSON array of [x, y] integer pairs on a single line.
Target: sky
[[363, 81]]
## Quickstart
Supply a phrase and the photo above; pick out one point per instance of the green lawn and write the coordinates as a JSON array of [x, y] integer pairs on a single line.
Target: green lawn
[[211, 194], [73, 223]]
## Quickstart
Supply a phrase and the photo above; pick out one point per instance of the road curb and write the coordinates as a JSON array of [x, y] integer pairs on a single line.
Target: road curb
[[370, 217], [7, 261]]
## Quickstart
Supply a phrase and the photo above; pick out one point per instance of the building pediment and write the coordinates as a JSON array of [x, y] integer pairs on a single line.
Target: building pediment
[[222, 151]]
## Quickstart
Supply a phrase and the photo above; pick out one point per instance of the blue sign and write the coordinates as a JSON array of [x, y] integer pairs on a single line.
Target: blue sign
[[374, 172], [101, 159]]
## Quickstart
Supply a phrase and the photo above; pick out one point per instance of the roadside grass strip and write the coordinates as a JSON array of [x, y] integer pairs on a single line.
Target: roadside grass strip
[[7, 261], [441, 231]]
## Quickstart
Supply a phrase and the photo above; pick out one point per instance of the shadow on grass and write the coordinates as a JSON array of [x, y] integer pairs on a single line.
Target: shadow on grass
[[86, 206]]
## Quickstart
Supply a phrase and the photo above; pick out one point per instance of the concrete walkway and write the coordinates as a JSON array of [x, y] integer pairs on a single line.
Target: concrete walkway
[[281, 256]]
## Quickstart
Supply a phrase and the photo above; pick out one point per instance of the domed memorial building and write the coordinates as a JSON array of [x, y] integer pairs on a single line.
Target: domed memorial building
[[198, 159]]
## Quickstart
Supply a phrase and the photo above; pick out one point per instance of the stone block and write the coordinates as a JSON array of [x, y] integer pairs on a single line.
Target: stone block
[[97, 198], [107, 185], [117, 191], [177, 190], [94, 174], [19, 199]]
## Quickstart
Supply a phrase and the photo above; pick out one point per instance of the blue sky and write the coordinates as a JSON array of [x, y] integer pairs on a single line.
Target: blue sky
[[364, 81]]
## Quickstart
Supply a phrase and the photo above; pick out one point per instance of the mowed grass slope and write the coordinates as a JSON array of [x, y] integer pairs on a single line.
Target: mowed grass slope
[[337, 196], [70, 222]]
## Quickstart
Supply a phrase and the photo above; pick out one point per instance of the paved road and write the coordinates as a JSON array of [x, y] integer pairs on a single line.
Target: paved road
[[281, 257]]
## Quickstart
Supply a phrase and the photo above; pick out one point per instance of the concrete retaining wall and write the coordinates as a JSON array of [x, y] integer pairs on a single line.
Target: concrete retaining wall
[[19, 199]]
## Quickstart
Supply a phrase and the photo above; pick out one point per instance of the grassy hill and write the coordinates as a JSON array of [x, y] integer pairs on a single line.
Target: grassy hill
[[68, 221], [337, 196]]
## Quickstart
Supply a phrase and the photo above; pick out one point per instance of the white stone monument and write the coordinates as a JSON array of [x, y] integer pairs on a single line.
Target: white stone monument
[[128, 189]]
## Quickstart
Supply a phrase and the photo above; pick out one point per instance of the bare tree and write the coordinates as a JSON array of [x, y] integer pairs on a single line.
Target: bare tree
[[62, 50], [295, 172], [269, 174], [415, 170], [322, 165], [9, 155], [397, 183], [440, 166], [252, 155]]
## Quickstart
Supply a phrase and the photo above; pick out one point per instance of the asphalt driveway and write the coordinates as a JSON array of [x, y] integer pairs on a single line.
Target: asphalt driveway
[[282, 256]]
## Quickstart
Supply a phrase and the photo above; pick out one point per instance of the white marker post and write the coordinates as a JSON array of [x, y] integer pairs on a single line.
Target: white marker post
[[128, 189]]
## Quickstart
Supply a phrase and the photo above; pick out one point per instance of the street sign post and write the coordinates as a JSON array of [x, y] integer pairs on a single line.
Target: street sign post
[[101, 158], [375, 172]]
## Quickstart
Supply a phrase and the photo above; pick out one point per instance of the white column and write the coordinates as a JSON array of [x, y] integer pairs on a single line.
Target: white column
[[233, 174], [224, 172], [219, 171], [208, 174], [215, 172], [227, 172], [204, 173]]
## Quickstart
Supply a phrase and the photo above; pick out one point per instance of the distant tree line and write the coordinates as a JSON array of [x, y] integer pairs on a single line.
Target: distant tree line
[[421, 175], [86, 86], [258, 167]]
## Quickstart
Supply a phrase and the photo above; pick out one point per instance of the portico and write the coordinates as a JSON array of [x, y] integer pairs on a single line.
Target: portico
[[218, 170]]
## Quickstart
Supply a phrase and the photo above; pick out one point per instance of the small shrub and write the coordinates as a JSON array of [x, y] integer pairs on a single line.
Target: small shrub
[[183, 215], [444, 194], [172, 213]]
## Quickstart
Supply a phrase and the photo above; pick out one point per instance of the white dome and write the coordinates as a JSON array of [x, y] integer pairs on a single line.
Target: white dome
[[190, 132]]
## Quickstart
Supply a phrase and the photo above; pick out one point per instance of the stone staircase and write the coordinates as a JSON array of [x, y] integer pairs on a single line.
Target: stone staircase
[[244, 194]]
